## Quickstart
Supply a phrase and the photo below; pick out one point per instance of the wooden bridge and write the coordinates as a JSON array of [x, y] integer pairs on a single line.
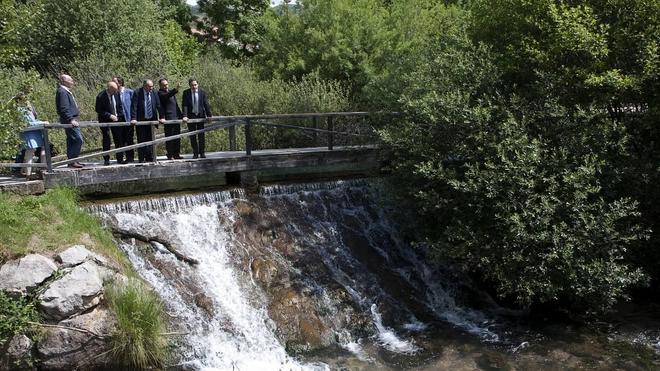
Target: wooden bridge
[[349, 148]]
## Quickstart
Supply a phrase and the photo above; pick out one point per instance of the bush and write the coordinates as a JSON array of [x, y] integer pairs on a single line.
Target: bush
[[138, 341], [15, 316], [516, 191]]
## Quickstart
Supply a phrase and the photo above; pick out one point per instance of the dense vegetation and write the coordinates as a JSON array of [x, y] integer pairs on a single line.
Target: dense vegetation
[[529, 137]]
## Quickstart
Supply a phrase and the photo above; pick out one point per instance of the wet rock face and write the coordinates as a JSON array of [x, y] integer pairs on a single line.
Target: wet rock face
[[77, 291], [60, 349], [20, 277]]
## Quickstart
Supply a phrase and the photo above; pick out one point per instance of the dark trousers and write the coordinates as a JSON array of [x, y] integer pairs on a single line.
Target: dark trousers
[[128, 133], [144, 135], [117, 137], [173, 146], [197, 141]]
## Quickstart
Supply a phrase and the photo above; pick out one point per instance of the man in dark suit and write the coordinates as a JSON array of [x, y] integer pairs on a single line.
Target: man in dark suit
[[109, 109], [195, 106], [67, 109], [172, 112], [126, 96], [146, 107]]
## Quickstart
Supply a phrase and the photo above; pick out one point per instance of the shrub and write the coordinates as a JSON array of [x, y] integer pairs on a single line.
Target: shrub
[[138, 341], [15, 316]]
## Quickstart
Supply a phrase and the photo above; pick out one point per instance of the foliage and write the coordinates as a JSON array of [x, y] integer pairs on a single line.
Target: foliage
[[178, 11], [49, 222], [13, 80], [513, 190], [71, 30], [138, 341], [182, 49], [15, 316], [16, 19], [235, 23]]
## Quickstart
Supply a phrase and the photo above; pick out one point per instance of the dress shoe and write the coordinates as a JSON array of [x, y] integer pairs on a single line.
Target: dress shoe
[[169, 157], [106, 162], [202, 155], [122, 162], [76, 165], [177, 157], [195, 156]]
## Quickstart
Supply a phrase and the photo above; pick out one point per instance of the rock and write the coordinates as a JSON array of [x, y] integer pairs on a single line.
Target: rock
[[75, 292], [19, 346], [18, 354], [74, 255], [20, 277], [64, 349]]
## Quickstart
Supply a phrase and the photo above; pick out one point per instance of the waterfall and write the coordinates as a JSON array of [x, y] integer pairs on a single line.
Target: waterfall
[[295, 267]]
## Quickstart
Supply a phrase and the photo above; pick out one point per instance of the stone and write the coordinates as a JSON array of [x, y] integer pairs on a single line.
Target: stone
[[19, 346], [17, 355], [22, 276], [73, 256], [77, 291], [65, 349]]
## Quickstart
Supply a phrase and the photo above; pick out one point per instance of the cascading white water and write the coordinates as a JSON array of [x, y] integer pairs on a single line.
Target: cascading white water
[[322, 218]]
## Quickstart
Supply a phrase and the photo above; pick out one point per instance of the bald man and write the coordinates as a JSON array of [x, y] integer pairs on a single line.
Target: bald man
[[67, 109], [109, 109]]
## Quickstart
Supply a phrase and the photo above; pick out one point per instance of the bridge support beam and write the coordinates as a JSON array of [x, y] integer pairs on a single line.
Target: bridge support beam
[[249, 181]]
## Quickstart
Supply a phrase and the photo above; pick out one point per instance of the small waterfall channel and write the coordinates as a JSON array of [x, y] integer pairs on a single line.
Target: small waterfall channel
[[304, 277]]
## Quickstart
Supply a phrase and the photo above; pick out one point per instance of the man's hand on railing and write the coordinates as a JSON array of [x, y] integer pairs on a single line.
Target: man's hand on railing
[[133, 122], [185, 119], [162, 121], [113, 117], [74, 123]]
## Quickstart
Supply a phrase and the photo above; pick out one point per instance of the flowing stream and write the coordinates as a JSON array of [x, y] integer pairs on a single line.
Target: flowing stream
[[316, 276]]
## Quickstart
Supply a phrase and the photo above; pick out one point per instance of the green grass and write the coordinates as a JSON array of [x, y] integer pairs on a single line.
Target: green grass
[[49, 223], [138, 341]]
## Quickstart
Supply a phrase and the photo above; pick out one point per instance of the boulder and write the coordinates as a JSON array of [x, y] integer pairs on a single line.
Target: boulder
[[77, 291], [73, 256], [66, 349], [19, 347], [20, 277]]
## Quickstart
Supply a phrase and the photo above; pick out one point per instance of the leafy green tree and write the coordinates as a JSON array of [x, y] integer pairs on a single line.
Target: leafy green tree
[[178, 11], [509, 188], [236, 23], [16, 19]]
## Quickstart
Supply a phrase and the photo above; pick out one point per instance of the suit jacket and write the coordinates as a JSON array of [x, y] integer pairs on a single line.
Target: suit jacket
[[137, 106], [169, 104], [126, 103], [66, 105], [203, 104], [104, 107]]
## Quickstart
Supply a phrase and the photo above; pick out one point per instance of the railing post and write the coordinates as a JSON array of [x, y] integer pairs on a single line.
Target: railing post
[[331, 137], [248, 137], [315, 135], [153, 146], [49, 160], [232, 138]]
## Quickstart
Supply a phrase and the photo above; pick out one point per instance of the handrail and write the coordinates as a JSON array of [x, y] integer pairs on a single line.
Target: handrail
[[216, 122]]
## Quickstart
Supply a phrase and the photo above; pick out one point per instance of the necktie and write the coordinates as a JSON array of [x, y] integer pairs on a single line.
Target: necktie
[[149, 108], [114, 105], [195, 109]]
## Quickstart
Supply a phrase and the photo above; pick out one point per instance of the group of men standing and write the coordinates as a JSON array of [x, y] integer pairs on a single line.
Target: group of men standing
[[116, 103]]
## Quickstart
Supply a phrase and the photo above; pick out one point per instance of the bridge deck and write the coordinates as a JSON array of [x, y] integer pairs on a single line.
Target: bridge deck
[[217, 169]]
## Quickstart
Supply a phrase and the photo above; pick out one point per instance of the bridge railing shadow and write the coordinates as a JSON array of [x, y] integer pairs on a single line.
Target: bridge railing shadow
[[245, 133]]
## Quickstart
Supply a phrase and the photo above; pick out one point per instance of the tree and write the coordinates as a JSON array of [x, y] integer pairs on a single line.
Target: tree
[[510, 188], [235, 22]]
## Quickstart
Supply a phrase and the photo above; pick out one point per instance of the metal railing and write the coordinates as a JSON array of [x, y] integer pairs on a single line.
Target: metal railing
[[214, 123]]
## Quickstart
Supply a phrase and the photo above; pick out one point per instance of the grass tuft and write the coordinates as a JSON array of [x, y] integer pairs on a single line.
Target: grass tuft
[[138, 341]]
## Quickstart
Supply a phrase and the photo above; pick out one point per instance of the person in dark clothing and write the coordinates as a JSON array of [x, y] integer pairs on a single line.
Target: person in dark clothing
[[67, 109], [109, 109], [126, 97], [172, 112], [196, 106], [146, 107]]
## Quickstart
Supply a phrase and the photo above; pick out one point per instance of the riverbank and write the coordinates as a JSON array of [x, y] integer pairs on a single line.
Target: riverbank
[[68, 295]]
